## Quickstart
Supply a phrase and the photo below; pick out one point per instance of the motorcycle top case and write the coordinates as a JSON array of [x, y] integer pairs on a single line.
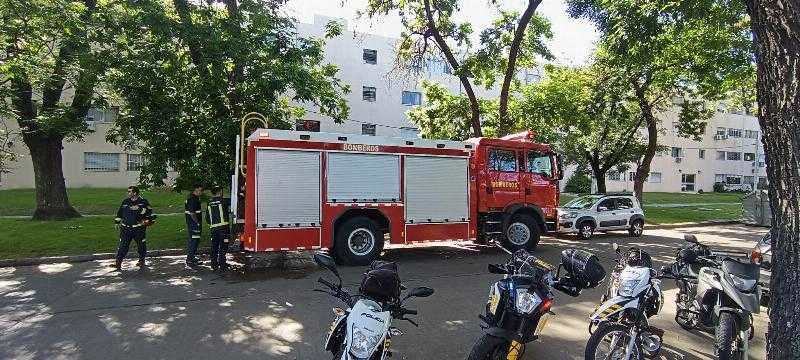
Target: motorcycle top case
[[583, 268], [381, 282]]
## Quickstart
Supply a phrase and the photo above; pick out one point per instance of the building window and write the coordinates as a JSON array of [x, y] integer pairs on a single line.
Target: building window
[[735, 133], [677, 152], [102, 115], [721, 131], [412, 98], [532, 76], [502, 160], [135, 162], [762, 182], [632, 176], [93, 161], [733, 155], [720, 155], [409, 133], [749, 157], [655, 178], [750, 180], [370, 56], [368, 129], [687, 182], [438, 67], [701, 154], [306, 125], [368, 93], [751, 134], [613, 175], [719, 178], [733, 179]]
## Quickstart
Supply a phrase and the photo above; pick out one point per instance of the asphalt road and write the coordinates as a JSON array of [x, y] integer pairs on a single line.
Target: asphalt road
[[85, 311]]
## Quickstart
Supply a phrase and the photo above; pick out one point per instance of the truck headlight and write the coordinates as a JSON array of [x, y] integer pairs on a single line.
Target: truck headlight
[[527, 301], [363, 341]]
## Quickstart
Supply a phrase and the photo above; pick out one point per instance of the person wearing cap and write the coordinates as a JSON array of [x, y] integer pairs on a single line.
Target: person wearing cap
[[217, 215], [133, 217]]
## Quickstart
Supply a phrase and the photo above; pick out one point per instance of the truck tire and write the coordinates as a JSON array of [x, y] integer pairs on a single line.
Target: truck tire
[[521, 233], [358, 241]]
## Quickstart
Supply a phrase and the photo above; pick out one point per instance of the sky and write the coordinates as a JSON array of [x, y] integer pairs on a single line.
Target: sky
[[572, 44]]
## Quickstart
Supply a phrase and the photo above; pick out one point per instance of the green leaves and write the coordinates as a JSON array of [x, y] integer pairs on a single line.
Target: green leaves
[[188, 74]]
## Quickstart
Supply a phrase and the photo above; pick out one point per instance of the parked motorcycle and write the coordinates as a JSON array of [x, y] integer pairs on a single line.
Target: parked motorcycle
[[519, 305], [717, 292], [364, 330], [619, 325]]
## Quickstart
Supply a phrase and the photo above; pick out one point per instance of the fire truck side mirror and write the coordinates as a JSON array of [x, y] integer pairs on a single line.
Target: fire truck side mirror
[[560, 167]]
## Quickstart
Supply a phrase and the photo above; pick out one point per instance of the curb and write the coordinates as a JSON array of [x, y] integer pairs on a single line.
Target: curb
[[206, 250], [92, 257], [693, 224]]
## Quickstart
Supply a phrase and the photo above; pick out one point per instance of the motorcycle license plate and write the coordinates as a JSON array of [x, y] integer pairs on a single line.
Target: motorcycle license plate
[[542, 323]]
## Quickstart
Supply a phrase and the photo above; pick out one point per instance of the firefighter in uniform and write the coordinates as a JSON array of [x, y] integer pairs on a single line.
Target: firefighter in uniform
[[194, 223], [133, 217], [218, 221]]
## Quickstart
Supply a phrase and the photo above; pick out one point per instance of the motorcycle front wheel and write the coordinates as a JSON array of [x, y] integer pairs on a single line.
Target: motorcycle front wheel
[[489, 347], [610, 342], [726, 337]]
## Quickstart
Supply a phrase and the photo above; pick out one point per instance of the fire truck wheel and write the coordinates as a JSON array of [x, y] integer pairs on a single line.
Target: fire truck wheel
[[522, 233], [358, 241]]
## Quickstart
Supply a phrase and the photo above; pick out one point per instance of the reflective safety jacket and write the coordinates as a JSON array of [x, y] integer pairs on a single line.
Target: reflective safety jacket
[[192, 206], [217, 213], [133, 213]]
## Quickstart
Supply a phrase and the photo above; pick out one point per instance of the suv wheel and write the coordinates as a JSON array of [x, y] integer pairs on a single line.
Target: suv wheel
[[586, 230], [637, 227]]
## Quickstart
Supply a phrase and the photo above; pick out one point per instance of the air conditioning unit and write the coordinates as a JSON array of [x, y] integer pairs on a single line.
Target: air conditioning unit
[[678, 160]]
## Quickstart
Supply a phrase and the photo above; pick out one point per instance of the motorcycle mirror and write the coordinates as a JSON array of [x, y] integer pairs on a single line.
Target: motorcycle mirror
[[327, 262], [616, 247], [497, 269], [690, 238], [420, 292]]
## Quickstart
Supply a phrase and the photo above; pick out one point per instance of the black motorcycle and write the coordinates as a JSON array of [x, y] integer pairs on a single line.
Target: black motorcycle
[[519, 304]]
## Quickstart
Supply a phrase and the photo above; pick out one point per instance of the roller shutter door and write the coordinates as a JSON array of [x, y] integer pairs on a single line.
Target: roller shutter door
[[436, 189], [363, 177], [288, 188]]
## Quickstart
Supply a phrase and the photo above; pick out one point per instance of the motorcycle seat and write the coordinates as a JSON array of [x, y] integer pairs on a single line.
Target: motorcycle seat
[[743, 270]]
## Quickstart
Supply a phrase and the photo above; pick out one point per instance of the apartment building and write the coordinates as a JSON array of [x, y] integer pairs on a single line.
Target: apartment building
[[730, 153]]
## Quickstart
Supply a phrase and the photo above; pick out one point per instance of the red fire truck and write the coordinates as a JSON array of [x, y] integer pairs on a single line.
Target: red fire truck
[[354, 193]]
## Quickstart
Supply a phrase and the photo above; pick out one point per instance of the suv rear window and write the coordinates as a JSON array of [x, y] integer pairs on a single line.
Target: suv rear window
[[624, 203]]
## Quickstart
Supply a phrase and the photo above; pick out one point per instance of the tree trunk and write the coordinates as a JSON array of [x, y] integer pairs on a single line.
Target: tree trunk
[[51, 193], [504, 127], [598, 172], [643, 168], [776, 25]]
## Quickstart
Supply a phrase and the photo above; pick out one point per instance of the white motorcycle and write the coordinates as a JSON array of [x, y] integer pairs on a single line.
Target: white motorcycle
[[364, 330], [619, 325]]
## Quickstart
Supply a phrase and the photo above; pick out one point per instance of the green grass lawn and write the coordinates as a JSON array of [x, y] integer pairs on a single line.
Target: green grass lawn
[[94, 201], [23, 238]]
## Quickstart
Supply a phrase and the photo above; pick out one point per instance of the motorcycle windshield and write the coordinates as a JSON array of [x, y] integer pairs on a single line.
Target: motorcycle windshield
[[633, 280], [532, 266]]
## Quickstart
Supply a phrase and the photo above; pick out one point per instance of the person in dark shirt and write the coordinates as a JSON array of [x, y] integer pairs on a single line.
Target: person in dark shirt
[[133, 217], [217, 215], [194, 224]]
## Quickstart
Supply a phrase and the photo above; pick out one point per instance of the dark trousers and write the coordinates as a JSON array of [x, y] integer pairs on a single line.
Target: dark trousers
[[219, 246], [128, 234], [193, 240]]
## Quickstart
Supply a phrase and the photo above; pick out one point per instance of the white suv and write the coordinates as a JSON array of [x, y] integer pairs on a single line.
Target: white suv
[[589, 213]]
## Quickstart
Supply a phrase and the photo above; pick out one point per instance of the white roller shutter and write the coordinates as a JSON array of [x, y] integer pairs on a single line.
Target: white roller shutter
[[436, 189], [363, 177], [288, 188]]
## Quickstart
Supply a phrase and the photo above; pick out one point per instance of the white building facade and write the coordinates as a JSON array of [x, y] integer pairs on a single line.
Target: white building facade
[[730, 153]]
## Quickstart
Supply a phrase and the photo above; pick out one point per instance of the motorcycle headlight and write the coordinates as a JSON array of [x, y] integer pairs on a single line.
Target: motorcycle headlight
[[746, 285], [363, 341], [569, 215], [628, 287], [527, 301]]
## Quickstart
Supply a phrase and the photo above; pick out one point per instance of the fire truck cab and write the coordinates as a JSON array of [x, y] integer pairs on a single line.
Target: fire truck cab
[[353, 194]]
